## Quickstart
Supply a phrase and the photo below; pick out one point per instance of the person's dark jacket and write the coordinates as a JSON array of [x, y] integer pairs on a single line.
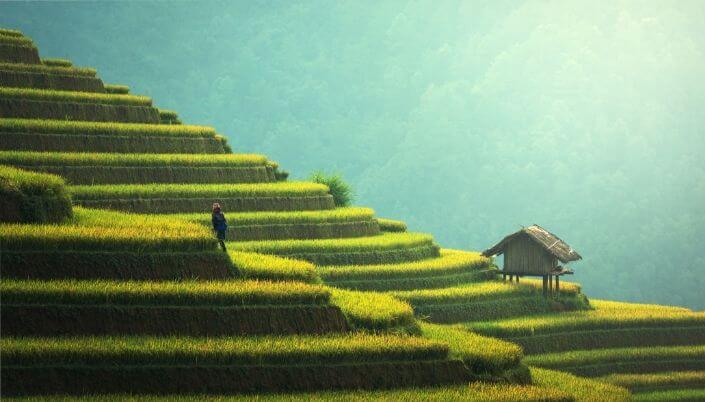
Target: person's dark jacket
[[219, 221]]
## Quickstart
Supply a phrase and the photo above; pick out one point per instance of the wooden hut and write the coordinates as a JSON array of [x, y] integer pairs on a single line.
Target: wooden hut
[[534, 251]]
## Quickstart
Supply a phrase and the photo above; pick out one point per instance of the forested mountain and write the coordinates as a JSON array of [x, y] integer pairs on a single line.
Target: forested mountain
[[465, 119]]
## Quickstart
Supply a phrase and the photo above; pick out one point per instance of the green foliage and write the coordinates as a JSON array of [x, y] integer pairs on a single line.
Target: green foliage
[[42, 159], [188, 293], [391, 225], [374, 311], [57, 62], [287, 189], [101, 128], [273, 268], [41, 68], [341, 191], [32, 197], [73, 96], [118, 89], [332, 349]]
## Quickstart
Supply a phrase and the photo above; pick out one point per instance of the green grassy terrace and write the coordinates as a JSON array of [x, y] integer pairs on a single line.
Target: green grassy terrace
[[623, 360], [388, 241], [549, 386], [73, 96], [606, 315], [101, 128], [41, 68], [345, 214], [294, 350], [146, 191], [450, 262], [39, 159], [187, 293], [274, 268]]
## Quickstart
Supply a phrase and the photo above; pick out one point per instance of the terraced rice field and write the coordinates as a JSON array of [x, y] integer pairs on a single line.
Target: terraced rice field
[[310, 302]]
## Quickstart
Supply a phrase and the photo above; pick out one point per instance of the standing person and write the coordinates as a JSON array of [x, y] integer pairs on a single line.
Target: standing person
[[220, 225]]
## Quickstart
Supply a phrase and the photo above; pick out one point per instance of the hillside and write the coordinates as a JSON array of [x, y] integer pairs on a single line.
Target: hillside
[[126, 292]]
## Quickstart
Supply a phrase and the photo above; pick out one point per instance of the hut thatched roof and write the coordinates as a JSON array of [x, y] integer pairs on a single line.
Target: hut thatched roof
[[550, 242]]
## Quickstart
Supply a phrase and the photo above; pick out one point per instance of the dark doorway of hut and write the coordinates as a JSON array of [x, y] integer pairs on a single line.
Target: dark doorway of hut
[[534, 251]]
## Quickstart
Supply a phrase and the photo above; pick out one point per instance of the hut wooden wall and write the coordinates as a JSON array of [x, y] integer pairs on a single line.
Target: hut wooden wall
[[523, 255]]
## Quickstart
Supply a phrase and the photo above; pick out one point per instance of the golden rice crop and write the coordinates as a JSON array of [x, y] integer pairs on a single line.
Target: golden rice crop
[[347, 214], [229, 351], [467, 293], [73, 96], [450, 262], [382, 242], [23, 158], [391, 225], [600, 318], [100, 128], [671, 395], [581, 389], [149, 191], [108, 231], [479, 352], [373, 311], [603, 356], [270, 267], [473, 392], [188, 293], [680, 379]]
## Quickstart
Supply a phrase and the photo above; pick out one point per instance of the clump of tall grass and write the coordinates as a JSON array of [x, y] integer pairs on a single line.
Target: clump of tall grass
[[32, 197], [342, 192], [73, 96]]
